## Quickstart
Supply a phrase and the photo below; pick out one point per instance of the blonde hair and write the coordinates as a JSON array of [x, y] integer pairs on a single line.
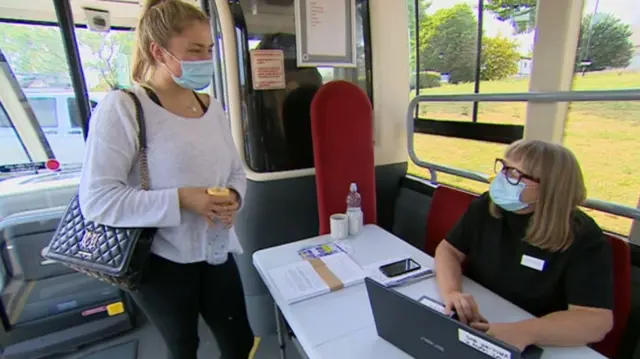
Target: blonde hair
[[159, 22], [561, 191]]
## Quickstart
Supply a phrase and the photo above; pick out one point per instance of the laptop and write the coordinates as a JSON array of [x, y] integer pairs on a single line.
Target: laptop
[[423, 332]]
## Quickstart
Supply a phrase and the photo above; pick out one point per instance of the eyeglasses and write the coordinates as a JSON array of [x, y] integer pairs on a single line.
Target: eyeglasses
[[513, 175]]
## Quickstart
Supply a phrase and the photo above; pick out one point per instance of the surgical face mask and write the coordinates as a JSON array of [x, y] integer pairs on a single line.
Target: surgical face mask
[[196, 75], [506, 195]]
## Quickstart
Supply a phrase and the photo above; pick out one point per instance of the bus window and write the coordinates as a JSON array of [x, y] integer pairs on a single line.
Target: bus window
[[45, 110], [466, 131], [74, 114], [13, 152], [106, 58], [603, 135], [43, 74], [35, 54], [278, 126]]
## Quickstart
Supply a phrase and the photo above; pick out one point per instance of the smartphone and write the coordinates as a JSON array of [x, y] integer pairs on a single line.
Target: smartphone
[[399, 268]]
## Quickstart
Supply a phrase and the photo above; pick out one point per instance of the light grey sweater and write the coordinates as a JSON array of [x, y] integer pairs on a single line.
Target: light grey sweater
[[182, 152]]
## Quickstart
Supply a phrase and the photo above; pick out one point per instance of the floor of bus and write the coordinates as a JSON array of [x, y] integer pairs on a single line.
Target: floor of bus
[[149, 346]]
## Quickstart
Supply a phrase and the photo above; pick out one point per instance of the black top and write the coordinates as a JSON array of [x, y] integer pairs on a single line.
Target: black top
[[154, 97], [498, 258]]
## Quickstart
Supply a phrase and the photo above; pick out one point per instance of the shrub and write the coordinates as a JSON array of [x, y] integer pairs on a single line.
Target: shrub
[[428, 79]]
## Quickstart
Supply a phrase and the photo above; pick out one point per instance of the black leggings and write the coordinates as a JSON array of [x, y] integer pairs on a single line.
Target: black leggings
[[172, 295]]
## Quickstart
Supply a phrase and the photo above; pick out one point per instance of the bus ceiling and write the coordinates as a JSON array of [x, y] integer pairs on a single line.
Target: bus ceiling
[[265, 16]]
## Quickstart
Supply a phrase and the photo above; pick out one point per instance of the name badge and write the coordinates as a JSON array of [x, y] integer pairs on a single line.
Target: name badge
[[531, 262]]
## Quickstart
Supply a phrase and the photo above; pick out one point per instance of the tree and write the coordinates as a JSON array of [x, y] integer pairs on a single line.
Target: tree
[[105, 49], [39, 51], [521, 13], [610, 44], [33, 49], [499, 58], [411, 9], [448, 43]]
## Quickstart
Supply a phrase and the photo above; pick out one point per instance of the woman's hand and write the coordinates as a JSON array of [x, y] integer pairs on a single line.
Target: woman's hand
[[211, 208], [228, 207], [511, 333], [464, 305]]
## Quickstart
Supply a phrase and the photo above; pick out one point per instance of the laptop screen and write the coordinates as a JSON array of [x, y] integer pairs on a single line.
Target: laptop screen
[[426, 332]]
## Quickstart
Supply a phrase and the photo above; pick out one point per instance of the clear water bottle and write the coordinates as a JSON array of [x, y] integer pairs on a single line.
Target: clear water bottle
[[354, 210], [217, 245]]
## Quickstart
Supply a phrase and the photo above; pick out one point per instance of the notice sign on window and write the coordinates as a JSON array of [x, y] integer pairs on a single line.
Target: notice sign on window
[[326, 33], [267, 69]]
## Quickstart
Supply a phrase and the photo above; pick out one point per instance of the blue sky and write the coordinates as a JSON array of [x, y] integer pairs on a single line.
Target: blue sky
[[623, 9]]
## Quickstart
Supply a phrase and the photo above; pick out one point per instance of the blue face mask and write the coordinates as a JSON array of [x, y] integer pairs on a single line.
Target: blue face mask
[[505, 195], [196, 75]]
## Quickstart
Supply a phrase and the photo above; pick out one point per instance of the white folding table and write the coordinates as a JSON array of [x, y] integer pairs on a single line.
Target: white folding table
[[340, 325]]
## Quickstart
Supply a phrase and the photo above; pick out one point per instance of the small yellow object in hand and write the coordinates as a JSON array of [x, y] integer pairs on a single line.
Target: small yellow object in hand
[[219, 192]]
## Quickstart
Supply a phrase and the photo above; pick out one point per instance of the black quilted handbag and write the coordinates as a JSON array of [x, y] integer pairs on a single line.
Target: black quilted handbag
[[113, 255]]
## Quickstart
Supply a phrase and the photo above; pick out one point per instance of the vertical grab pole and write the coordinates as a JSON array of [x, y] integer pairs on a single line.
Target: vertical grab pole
[[218, 56], [416, 4], [476, 84], [67, 28]]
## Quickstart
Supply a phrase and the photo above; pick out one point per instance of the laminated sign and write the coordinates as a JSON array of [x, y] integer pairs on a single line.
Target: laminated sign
[[267, 69]]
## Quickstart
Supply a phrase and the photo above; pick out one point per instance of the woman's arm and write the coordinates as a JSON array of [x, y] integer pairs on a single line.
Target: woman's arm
[[573, 327], [448, 262], [110, 152], [451, 253], [237, 178], [588, 285], [449, 279]]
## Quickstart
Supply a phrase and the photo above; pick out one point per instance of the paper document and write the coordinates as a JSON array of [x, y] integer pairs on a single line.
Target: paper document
[[348, 271], [305, 279]]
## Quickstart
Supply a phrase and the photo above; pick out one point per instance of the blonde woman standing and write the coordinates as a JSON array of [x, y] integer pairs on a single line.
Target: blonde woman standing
[[191, 271]]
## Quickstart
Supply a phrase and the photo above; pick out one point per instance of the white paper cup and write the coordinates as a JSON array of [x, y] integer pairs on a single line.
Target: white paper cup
[[339, 225]]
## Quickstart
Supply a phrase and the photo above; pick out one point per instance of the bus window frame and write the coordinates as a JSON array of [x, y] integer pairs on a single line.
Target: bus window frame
[[254, 156], [20, 106], [550, 97], [46, 147], [474, 130]]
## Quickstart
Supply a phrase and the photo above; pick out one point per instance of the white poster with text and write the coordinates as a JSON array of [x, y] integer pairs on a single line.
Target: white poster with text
[[325, 33], [267, 69]]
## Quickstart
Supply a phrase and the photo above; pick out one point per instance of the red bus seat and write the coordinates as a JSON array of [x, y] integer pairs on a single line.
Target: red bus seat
[[342, 133], [447, 207], [621, 296]]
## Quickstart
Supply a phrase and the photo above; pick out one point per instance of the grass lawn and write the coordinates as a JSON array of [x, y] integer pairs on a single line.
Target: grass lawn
[[605, 136]]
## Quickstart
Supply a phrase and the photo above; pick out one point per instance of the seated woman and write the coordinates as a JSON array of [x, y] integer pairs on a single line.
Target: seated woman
[[527, 241]]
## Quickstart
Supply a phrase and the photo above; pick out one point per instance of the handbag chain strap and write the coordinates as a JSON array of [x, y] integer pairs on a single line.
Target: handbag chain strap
[[142, 141]]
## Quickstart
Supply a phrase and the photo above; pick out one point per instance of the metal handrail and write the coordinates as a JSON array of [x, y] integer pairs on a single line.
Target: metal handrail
[[550, 97], [37, 215], [559, 96]]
